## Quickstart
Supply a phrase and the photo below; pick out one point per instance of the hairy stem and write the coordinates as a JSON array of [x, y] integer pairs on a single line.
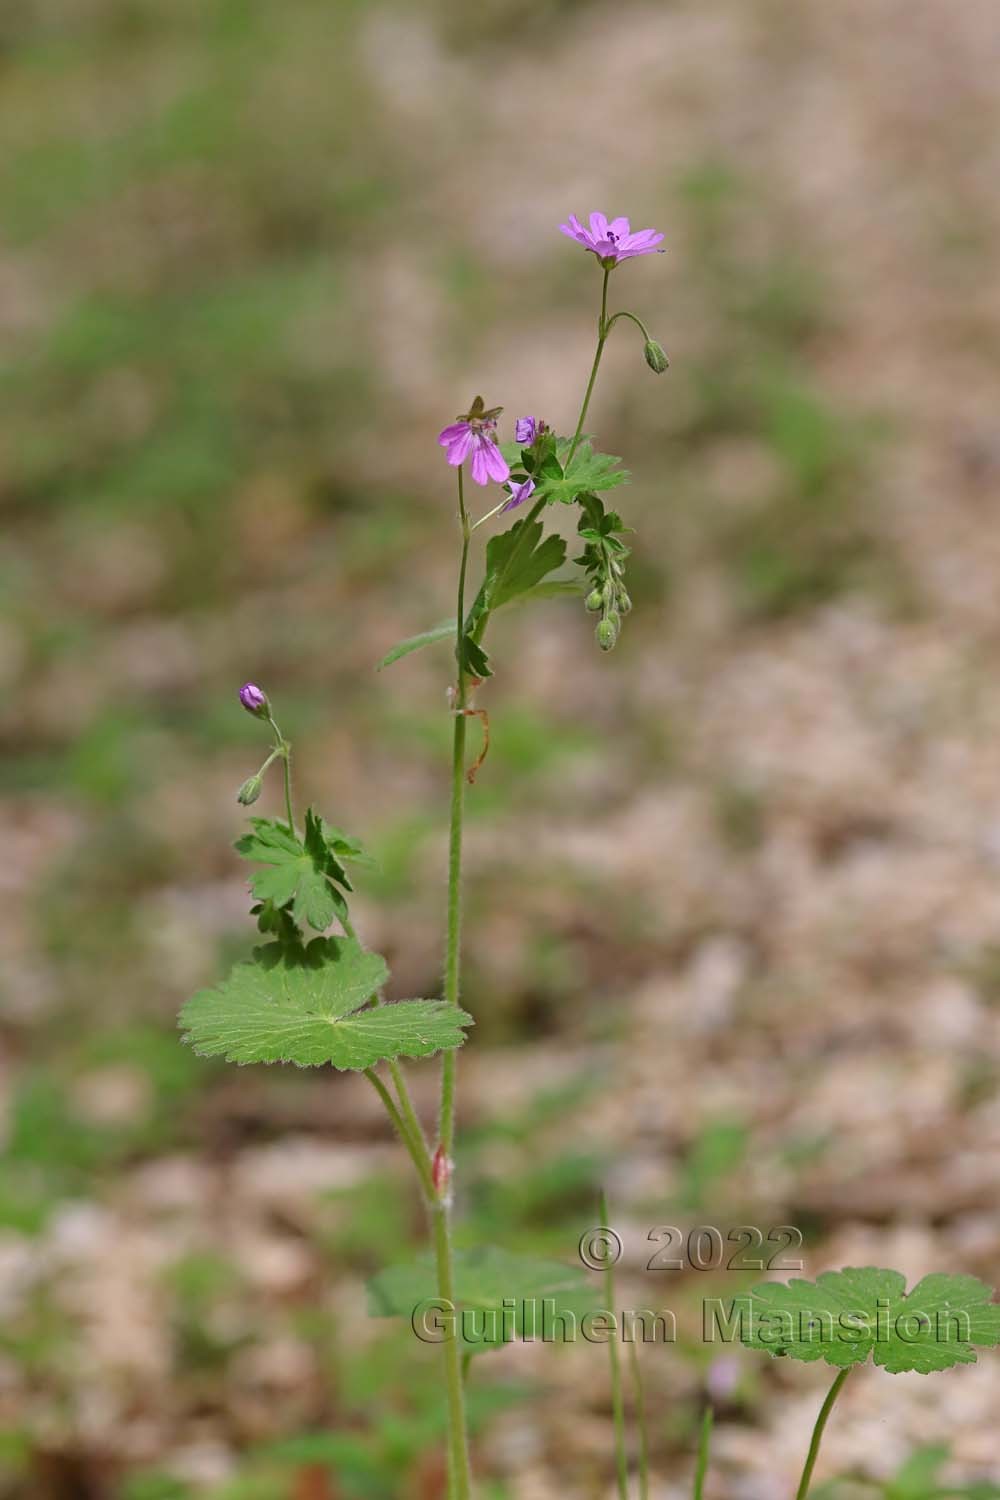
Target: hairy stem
[[460, 1476], [414, 1143], [817, 1435], [406, 1106]]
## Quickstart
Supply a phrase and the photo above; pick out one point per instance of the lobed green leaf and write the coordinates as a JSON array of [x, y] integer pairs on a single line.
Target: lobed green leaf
[[311, 1006], [846, 1316]]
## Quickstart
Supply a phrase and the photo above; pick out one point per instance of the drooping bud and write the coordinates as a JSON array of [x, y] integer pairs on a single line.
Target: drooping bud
[[607, 633], [441, 1170], [595, 600], [656, 358], [254, 700], [250, 790]]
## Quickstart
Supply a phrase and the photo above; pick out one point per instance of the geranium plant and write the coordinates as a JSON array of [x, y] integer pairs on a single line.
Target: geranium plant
[[313, 997]]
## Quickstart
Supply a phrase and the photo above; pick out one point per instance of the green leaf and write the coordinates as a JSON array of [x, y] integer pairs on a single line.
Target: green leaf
[[587, 471], [487, 1281], [516, 562], [305, 1006], [442, 632], [845, 1316], [300, 873]]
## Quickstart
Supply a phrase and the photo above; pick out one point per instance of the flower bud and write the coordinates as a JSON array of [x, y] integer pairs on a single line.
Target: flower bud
[[656, 359], [607, 633], [254, 700], [250, 790], [624, 601], [525, 431], [595, 600]]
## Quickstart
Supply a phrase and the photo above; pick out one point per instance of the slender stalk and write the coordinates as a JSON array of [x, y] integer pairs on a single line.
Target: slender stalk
[[701, 1467], [284, 749], [817, 1435], [460, 1487], [617, 1399], [286, 766], [414, 1144], [406, 1106], [637, 321], [603, 328], [640, 1408]]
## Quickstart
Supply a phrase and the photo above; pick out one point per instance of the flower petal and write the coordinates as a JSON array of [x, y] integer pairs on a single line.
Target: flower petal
[[480, 468], [518, 494], [619, 227], [459, 448], [449, 435], [598, 225], [497, 466], [642, 242]]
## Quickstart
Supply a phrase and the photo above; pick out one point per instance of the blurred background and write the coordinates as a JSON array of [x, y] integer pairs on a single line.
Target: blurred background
[[734, 891]]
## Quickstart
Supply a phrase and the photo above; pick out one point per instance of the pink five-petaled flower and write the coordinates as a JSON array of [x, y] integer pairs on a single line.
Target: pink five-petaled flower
[[612, 242], [473, 433], [518, 494]]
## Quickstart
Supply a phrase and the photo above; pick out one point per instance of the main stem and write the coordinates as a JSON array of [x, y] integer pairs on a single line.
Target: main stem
[[460, 1477], [817, 1436]]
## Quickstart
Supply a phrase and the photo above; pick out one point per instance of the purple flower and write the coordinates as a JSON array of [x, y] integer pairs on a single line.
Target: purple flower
[[473, 433], [254, 700], [613, 242], [518, 494], [526, 429]]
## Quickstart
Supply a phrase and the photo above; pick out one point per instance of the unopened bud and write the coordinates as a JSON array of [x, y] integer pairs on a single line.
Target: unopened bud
[[441, 1170], [607, 633], [656, 359], [254, 700], [624, 602], [595, 600], [250, 790]]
